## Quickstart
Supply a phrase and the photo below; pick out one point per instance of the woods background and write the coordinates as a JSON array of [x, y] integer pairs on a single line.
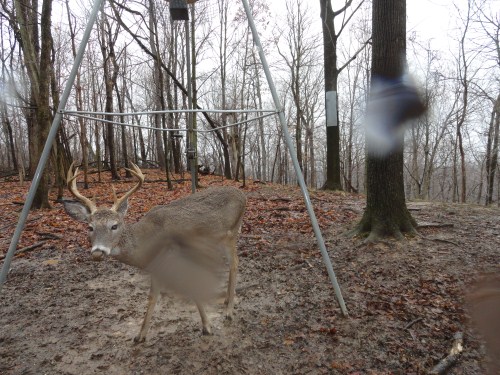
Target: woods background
[[135, 62]]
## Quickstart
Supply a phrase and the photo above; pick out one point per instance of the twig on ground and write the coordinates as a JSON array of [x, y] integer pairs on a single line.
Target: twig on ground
[[434, 225], [15, 223], [251, 236], [283, 209], [245, 287], [50, 235], [440, 240], [413, 322], [26, 249], [30, 247], [281, 199], [300, 266], [445, 241], [451, 359], [6, 226]]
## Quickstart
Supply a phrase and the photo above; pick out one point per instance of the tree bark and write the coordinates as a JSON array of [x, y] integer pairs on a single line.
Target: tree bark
[[386, 213], [492, 151], [158, 87], [9, 137], [79, 104], [330, 38], [38, 62], [110, 74]]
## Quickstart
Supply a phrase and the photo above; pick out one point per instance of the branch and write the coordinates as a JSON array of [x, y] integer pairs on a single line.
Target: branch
[[445, 364], [345, 22], [343, 9], [355, 55], [31, 247], [181, 87]]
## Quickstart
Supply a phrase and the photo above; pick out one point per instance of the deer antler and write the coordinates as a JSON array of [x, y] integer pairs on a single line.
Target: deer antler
[[71, 182], [137, 173]]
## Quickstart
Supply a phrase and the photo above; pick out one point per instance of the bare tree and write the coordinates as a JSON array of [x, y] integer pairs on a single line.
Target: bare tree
[[79, 100], [489, 22], [492, 150], [300, 57], [111, 68], [332, 71], [36, 45], [464, 76], [386, 213]]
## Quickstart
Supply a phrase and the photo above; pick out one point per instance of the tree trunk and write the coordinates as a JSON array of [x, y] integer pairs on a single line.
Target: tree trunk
[[330, 38], [37, 59], [160, 152], [492, 151], [110, 75], [461, 117], [142, 146], [386, 213], [61, 150], [263, 149], [230, 159], [119, 99], [194, 89], [98, 156], [159, 96], [79, 105], [44, 115], [9, 138], [172, 123]]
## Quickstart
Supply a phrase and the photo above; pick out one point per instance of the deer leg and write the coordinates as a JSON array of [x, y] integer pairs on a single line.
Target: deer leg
[[231, 285], [207, 328], [154, 293]]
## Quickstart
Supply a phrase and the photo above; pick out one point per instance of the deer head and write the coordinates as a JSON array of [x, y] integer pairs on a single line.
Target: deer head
[[105, 225]]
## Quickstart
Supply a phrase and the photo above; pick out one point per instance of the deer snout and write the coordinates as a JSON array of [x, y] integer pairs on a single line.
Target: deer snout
[[98, 252]]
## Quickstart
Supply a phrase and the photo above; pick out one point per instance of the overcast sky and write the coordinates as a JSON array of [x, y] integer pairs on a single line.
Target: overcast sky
[[430, 19]]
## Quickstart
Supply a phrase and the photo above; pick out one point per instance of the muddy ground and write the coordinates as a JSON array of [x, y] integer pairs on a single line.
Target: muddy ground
[[62, 313]]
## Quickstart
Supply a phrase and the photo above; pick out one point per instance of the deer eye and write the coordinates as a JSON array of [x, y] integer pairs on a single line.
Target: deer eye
[[90, 228], [114, 227]]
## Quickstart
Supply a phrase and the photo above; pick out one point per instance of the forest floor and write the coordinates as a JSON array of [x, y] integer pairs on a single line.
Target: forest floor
[[62, 313]]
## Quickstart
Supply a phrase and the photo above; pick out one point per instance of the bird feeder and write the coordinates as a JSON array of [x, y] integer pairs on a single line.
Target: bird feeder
[[178, 10]]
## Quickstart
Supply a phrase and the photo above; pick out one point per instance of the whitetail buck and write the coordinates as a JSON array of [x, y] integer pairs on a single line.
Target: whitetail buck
[[484, 306], [195, 226]]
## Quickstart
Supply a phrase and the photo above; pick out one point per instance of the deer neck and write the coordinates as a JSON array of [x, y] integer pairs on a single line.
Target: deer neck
[[130, 248]]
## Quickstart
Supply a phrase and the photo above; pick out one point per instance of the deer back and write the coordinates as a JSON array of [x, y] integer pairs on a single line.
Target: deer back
[[216, 212]]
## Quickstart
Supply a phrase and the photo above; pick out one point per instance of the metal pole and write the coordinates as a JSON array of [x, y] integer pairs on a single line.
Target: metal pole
[[48, 144], [100, 120], [191, 152], [291, 150], [122, 114]]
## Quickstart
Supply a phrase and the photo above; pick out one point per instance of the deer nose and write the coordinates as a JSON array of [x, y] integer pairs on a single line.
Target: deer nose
[[98, 252], [97, 255]]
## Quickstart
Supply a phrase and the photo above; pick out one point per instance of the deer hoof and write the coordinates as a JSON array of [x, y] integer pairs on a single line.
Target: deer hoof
[[138, 339], [229, 315], [207, 331]]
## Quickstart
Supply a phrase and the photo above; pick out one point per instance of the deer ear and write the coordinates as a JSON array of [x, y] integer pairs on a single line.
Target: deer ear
[[123, 207], [77, 210]]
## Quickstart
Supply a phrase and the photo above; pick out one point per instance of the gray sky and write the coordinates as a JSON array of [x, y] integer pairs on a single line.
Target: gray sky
[[430, 19]]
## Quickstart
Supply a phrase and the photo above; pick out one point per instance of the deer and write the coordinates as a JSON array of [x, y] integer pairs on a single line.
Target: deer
[[181, 235], [484, 307]]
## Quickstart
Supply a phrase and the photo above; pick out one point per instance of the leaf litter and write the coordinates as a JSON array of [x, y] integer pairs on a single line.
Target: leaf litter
[[62, 313]]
